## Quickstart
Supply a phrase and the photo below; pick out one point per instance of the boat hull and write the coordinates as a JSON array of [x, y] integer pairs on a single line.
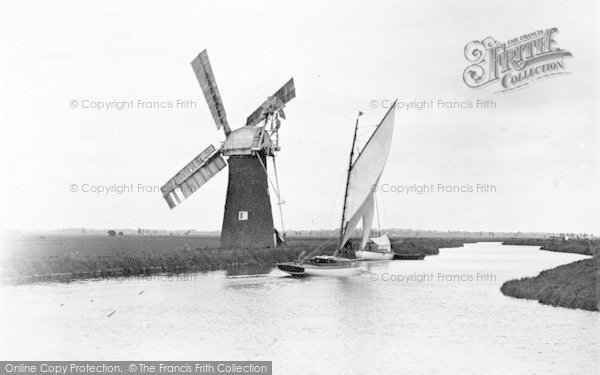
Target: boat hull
[[297, 269], [332, 271], [409, 256], [372, 255], [292, 268]]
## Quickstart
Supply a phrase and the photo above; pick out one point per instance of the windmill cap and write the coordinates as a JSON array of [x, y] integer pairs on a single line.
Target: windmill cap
[[246, 140]]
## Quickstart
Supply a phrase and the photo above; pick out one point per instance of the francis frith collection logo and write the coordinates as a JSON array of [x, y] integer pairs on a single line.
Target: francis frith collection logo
[[515, 63]]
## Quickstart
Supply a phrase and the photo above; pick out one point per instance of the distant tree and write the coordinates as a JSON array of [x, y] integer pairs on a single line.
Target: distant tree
[[140, 231], [112, 233], [120, 233]]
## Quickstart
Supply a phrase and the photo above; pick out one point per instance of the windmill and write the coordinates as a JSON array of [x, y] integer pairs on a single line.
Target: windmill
[[248, 219]]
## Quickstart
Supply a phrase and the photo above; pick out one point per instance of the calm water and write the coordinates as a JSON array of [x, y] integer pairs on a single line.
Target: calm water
[[420, 325]]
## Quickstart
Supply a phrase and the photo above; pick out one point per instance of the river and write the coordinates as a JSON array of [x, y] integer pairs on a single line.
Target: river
[[444, 314]]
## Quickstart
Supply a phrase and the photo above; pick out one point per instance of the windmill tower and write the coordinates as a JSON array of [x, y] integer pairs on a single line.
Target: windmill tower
[[248, 218]]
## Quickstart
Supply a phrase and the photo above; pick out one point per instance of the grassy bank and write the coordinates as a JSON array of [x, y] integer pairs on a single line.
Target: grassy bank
[[570, 246], [573, 285], [93, 256], [427, 246], [67, 257]]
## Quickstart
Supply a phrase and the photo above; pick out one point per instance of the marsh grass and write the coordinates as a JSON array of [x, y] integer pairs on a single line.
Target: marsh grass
[[32, 258], [426, 246], [573, 285], [570, 246]]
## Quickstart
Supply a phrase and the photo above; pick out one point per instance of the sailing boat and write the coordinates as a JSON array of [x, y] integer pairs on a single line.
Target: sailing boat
[[364, 173]]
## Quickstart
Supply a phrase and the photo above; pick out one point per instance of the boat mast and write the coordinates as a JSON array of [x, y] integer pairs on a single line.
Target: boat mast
[[348, 183]]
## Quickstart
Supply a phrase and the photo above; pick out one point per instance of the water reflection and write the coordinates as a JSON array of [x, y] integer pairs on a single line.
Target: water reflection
[[248, 270]]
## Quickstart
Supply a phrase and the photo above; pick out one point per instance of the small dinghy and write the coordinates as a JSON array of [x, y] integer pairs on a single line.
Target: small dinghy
[[378, 248]]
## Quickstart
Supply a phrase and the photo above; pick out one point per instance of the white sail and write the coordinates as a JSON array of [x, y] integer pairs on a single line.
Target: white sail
[[367, 220], [363, 179]]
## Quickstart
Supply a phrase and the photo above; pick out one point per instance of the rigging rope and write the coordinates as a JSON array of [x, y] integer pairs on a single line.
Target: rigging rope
[[279, 203], [317, 250], [276, 189]]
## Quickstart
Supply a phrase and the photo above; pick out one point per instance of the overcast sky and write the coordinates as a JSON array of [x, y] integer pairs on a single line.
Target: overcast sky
[[539, 147]]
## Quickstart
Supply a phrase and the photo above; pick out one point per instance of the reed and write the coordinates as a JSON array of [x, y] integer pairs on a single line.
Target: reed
[[573, 285], [32, 258], [570, 246], [427, 246]]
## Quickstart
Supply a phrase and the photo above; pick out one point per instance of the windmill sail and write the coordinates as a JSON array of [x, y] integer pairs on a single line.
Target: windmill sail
[[363, 175], [206, 78], [195, 174], [275, 103]]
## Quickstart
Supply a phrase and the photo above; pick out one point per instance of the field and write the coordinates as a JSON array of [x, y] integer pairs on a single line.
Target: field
[[34, 258]]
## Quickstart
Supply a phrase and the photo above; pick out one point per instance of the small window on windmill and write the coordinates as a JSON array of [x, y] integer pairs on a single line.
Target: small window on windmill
[[242, 215]]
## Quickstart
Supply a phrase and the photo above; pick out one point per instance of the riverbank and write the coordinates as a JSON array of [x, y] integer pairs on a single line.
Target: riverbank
[[424, 246], [571, 246], [63, 258], [573, 285]]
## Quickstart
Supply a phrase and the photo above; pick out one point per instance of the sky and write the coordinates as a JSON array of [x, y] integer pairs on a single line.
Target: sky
[[539, 147]]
